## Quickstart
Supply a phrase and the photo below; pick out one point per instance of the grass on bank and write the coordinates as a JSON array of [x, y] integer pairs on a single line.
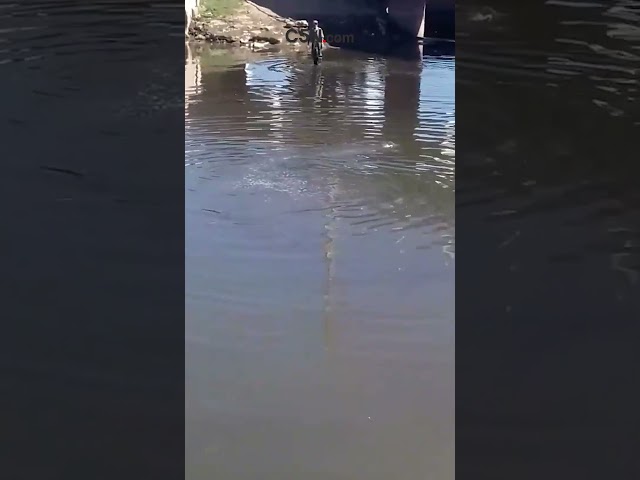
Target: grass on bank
[[219, 8]]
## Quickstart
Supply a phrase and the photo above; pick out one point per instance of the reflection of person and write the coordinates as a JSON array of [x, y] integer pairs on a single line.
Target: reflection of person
[[317, 82], [316, 37]]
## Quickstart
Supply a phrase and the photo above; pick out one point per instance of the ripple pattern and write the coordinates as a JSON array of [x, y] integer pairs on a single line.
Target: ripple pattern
[[353, 124], [320, 247]]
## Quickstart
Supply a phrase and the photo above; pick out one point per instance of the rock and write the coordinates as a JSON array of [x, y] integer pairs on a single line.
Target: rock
[[265, 39], [265, 29], [289, 23], [301, 23], [221, 38], [196, 29], [261, 46], [226, 39], [213, 35]]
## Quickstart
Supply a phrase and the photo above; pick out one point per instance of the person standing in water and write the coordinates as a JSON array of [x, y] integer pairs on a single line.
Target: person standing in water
[[316, 38]]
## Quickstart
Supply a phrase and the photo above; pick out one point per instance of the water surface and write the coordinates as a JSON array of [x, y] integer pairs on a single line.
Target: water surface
[[319, 267], [547, 235], [91, 96]]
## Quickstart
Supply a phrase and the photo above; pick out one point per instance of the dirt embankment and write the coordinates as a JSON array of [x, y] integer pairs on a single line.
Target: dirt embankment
[[245, 24]]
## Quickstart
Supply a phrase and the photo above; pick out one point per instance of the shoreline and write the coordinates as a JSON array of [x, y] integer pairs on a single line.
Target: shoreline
[[247, 25]]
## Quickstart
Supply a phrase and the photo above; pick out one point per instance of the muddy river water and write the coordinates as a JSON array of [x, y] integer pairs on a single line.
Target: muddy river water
[[320, 262]]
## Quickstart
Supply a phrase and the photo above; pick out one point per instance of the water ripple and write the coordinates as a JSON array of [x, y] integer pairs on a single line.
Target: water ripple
[[361, 148]]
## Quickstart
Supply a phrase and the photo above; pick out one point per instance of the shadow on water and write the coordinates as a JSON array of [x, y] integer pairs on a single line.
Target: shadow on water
[[547, 190]]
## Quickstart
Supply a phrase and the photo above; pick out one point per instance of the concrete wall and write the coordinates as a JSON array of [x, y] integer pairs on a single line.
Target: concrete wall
[[409, 15], [190, 11], [309, 9], [441, 6], [440, 19], [191, 5]]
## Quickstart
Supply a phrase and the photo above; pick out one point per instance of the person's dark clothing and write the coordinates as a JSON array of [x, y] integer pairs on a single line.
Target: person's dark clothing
[[316, 34]]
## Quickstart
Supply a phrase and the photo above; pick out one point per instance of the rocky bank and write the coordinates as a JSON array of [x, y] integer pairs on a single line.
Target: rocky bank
[[249, 26]]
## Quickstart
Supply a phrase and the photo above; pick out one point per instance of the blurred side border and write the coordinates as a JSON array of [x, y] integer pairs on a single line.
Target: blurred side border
[[547, 302], [92, 342]]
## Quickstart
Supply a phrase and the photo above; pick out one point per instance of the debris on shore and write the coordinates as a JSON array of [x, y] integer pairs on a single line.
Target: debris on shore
[[246, 25]]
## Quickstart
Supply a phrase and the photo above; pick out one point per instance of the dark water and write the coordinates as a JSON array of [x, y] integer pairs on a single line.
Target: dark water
[[87, 105], [547, 236], [319, 267], [547, 200]]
